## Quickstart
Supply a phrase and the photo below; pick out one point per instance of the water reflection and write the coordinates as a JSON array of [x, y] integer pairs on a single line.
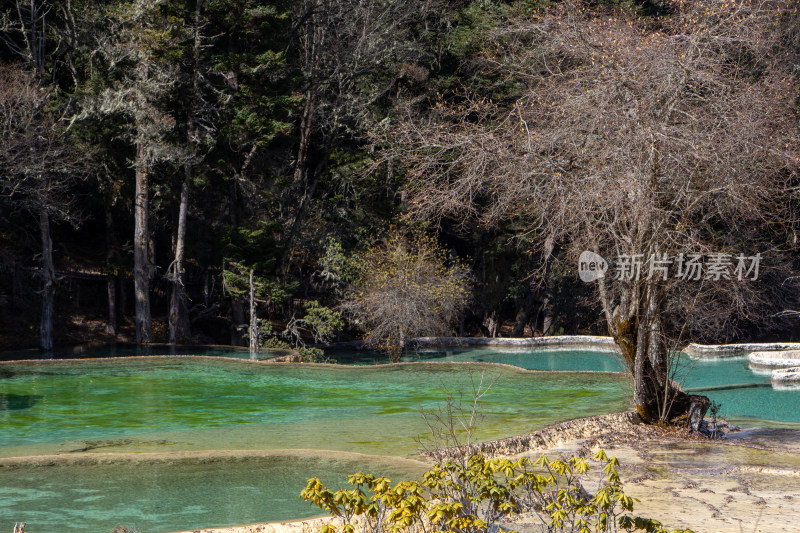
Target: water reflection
[[17, 402]]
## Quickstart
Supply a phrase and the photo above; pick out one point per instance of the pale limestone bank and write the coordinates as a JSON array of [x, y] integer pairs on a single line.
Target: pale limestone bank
[[786, 378], [764, 362], [747, 482], [722, 351]]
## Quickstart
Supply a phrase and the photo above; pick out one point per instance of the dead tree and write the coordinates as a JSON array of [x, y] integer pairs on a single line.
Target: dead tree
[[40, 166], [656, 143]]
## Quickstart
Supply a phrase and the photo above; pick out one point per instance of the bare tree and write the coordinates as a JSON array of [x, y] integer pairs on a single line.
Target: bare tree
[[31, 29], [656, 141], [39, 167], [23, 25], [406, 289]]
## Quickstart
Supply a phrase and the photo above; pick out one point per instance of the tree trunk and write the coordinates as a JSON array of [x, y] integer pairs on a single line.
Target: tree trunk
[[179, 325], [111, 282], [48, 289], [123, 297], [302, 210], [636, 326], [237, 322], [141, 271], [253, 319], [490, 323], [547, 312], [306, 125], [523, 314], [178, 310], [111, 289], [546, 308], [206, 289], [396, 348], [16, 287]]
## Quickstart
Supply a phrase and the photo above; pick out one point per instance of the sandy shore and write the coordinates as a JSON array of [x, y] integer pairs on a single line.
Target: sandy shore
[[748, 482]]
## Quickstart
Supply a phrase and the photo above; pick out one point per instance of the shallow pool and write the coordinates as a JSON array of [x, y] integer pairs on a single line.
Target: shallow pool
[[746, 398], [752, 401], [183, 404], [194, 403], [177, 493], [298, 420], [571, 359]]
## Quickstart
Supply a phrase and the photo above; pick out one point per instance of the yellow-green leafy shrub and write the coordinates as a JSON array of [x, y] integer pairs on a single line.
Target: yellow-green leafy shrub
[[478, 495]]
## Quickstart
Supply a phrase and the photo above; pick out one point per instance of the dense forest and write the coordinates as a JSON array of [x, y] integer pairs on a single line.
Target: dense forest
[[192, 171]]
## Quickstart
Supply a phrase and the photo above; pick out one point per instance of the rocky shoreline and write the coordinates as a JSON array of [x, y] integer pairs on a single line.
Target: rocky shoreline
[[593, 432]]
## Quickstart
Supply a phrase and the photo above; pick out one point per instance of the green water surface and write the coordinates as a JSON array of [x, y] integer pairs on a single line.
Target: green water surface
[[176, 404], [746, 398], [321, 413], [564, 359], [193, 403], [179, 494]]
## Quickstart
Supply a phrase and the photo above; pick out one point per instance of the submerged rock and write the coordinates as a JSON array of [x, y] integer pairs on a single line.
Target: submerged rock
[[288, 358]]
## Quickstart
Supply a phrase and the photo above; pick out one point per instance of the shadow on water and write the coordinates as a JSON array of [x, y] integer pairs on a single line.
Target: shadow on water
[[696, 390], [16, 402]]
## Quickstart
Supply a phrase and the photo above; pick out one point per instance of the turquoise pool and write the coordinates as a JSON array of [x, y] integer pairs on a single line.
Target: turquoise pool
[[747, 398], [172, 417], [151, 405], [206, 403], [750, 399], [171, 495], [530, 359]]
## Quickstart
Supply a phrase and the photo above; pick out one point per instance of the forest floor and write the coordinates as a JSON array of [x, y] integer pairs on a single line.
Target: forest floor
[[20, 332], [747, 482]]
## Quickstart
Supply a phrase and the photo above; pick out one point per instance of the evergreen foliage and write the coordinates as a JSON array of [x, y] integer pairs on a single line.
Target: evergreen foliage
[[216, 136]]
